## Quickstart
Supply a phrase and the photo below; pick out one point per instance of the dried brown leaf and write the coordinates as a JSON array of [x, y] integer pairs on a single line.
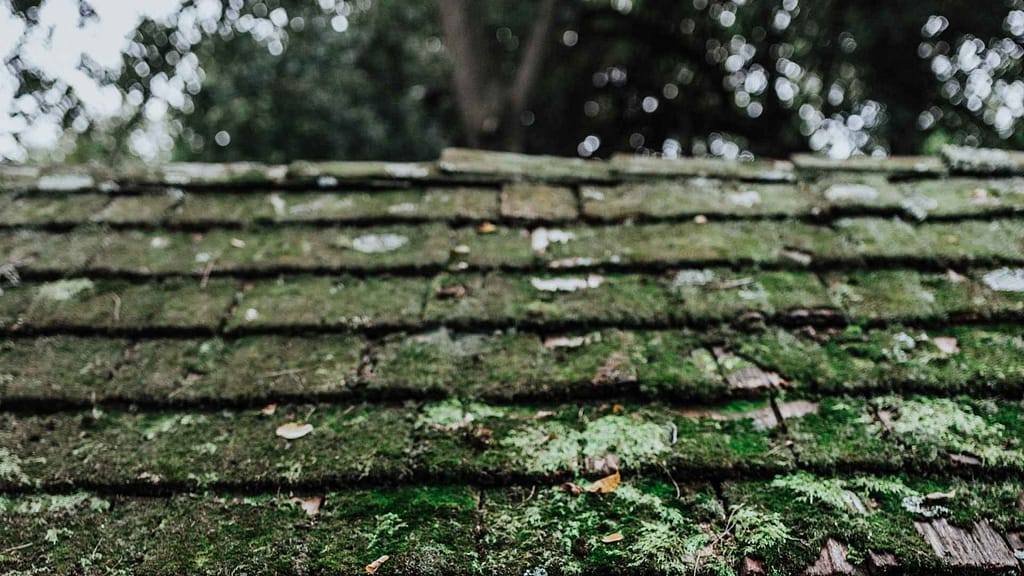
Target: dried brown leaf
[[310, 505], [572, 488], [613, 537], [486, 228], [940, 496], [454, 292], [373, 566], [946, 344], [269, 409], [294, 430], [605, 485]]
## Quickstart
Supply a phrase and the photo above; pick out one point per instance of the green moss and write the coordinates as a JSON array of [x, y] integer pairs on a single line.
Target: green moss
[[555, 532], [635, 441], [48, 253], [842, 435], [536, 202], [141, 209], [504, 248], [932, 428], [622, 299], [58, 368], [677, 367], [34, 210], [115, 304], [321, 301], [722, 296], [674, 198]]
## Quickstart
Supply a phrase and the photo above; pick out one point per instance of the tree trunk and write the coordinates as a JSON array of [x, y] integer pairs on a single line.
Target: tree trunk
[[489, 106]]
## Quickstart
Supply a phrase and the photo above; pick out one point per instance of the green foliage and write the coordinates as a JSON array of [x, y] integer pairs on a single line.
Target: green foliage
[[756, 530]]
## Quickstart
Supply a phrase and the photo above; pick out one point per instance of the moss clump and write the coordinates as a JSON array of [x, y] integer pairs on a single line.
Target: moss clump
[[930, 429], [339, 302], [675, 366], [554, 532]]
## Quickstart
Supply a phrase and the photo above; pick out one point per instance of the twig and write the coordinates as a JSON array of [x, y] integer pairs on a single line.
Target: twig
[[206, 274], [117, 307], [679, 493], [16, 548]]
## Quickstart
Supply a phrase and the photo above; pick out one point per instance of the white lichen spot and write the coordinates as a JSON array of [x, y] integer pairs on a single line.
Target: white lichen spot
[[567, 284], [63, 290], [851, 193], [746, 199], [327, 181], [927, 295], [916, 504], [203, 257], [377, 243], [919, 205], [693, 278], [251, 315], [321, 204], [541, 238], [278, 203], [1005, 280], [65, 182], [403, 170], [592, 194], [159, 242], [10, 468], [402, 208], [574, 262], [755, 291]]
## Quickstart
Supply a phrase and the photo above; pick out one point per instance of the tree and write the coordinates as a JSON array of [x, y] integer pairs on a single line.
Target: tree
[[279, 80], [492, 107]]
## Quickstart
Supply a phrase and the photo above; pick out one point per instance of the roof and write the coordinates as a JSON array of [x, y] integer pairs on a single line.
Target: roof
[[804, 366]]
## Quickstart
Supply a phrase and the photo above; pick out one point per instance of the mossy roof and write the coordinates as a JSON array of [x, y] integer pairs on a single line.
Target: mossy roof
[[795, 367]]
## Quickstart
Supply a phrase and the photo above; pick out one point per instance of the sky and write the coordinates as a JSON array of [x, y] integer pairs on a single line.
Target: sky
[[55, 49]]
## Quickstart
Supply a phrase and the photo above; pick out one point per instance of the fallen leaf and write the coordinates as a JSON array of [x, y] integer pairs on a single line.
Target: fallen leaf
[[700, 219], [269, 409], [310, 505], [552, 342], [572, 488], [373, 566], [617, 408], [461, 249], [455, 291], [567, 284], [940, 496], [613, 537], [946, 344], [605, 485], [487, 228], [294, 430], [238, 243]]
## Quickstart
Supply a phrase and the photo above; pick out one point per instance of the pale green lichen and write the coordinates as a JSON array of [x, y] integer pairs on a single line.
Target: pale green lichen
[[952, 425], [10, 468], [633, 441], [63, 290], [544, 449], [841, 494], [387, 526], [757, 531], [52, 504], [448, 413]]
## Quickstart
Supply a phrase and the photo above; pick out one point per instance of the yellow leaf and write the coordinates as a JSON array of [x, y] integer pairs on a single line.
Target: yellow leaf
[[613, 537], [605, 485], [373, 566]]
